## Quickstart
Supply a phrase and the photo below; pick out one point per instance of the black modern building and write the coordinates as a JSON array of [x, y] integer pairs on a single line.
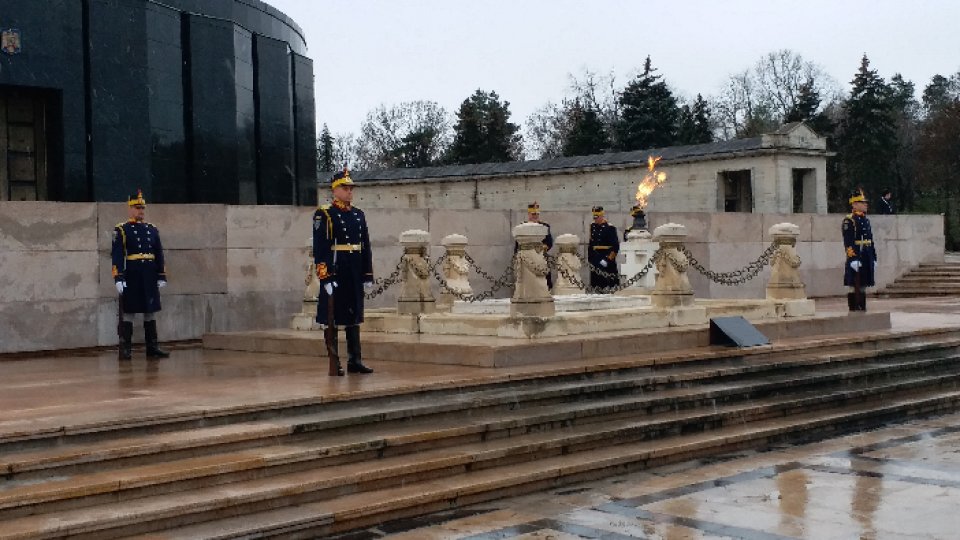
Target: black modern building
[[194, 101]]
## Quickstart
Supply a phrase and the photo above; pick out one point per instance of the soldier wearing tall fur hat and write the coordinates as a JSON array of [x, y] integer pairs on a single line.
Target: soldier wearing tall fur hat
[[861, 253], [602, 251], [344, 263], [139, 273]]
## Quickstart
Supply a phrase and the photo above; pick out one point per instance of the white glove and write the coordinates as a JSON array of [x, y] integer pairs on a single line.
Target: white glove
[[368, 286], [120, 286], [855, 266], [603, 263], [161, 284], [329, 287]]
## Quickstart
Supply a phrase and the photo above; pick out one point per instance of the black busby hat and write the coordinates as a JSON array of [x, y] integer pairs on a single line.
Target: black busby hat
[[341, 178], [137, 199]]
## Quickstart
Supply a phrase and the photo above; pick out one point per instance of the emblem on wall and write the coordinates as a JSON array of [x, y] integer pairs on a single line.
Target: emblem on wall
[[10, 41]]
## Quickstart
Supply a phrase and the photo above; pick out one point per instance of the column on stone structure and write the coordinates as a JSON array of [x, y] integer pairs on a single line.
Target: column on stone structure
[[785, 282], [308, 314], [637, 251], [672, 287], [415, 295], [456, 272], [531, 297], [569, 280]]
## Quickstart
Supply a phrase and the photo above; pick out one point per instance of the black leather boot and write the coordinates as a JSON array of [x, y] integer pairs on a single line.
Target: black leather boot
[[354, 365], [852, 303], [150, 336], [862, 301], [126, 340]]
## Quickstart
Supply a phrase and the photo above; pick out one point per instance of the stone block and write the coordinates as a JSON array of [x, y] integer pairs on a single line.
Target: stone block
[[698, 224], [821, 255], [803, 221], [184, 317], [269, 226], [925, 228], [738, 227], [482, 227], [48, 325], [390, 322], [182, 226], [687, 315], [41, 276], [47, 226], [826, 227], [799, 308], [266, 270], [189, 271], [261, 310], [884, 228], [386, 225], [823, 282]]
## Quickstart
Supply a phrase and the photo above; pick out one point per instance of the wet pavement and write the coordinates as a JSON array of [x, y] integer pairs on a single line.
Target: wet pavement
[[898, 482]]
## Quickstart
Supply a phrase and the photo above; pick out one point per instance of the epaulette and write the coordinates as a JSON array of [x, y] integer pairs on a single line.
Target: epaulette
[[849, 216], [120, 225], [325, 208]]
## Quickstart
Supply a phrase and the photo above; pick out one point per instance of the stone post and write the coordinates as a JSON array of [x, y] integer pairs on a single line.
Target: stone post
[[568, 263], [638, 249], [415, 296], [672, 287], [305, 319], [785, 283], [455, 270], [530, 294]]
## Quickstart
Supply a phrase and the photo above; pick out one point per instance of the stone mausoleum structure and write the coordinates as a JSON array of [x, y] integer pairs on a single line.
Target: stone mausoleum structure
[[195, 101], [782, 172]]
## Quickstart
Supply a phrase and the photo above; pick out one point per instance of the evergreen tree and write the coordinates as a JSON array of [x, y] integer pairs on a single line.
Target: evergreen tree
[[587, 133], [867, 140], [325, 158], [416, 149], [483, 132], [940, 93], [808, 101], [648, 113], [694, 123]]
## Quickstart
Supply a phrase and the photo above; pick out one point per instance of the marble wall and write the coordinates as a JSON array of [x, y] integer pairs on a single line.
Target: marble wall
[[243, 267]]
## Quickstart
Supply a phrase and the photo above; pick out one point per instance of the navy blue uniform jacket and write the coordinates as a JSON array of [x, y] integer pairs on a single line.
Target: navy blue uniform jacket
[[341, 251], [138, 259], [604, 245], [858, 242]]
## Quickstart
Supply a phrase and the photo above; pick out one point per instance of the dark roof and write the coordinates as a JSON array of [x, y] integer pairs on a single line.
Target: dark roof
[[671, 153]]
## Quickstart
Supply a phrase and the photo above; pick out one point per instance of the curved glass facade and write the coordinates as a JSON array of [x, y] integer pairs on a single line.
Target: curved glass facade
[[207, 101]]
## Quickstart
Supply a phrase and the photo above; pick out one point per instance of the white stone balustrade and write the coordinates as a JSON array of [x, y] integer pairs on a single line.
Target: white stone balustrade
[[531, 297], [785, 282], [637, 251], [415, 294], [456, 271], [568, 264], [672, 287]]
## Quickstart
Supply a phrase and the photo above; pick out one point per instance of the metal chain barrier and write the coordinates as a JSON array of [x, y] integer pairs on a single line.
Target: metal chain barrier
[[735, 277], [507, 278], [382, 284], [623, 284]]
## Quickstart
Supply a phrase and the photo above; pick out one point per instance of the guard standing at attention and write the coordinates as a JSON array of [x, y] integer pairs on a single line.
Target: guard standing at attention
[[858, 272], [344, 262], [602, 251], [139, 274]]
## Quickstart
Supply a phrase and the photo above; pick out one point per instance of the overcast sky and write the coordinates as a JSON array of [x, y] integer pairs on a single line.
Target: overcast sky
[[371, 52]]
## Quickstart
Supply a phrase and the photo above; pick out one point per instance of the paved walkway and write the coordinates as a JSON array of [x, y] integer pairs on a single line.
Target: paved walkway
[[899, 482]]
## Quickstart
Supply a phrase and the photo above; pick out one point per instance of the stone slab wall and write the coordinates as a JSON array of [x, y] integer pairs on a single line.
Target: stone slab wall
[[234, 268]]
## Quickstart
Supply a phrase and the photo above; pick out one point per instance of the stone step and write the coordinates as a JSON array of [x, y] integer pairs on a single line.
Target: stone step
[[917, 292], [18, 438], [931, 279], [248, 509], [130, 451], [674, 411]]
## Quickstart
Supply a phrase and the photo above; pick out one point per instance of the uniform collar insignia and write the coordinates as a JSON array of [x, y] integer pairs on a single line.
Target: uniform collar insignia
[[341, 205]]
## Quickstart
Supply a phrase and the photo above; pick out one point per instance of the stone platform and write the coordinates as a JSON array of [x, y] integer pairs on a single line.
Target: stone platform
[[497, 351]]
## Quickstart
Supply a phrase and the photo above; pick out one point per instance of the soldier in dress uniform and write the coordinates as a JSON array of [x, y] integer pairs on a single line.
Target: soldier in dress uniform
[[344, 262], [602, 250], [533, 216], [861, 253], [139, 274]]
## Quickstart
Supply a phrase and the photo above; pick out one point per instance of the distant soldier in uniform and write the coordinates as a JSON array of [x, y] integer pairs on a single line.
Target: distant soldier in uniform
[[602, 250], [861, 253], [533, 216], [344, 261], [139, 274], [885, 204]]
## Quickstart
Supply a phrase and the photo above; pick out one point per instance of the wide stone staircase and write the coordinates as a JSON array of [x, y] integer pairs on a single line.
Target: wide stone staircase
[[310, 469], [928, 279]]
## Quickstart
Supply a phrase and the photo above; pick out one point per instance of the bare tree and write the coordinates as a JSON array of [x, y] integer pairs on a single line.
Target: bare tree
[[389, 137], [546, 132], [759, 99]]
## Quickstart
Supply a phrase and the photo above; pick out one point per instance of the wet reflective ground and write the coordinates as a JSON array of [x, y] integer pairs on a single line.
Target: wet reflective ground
[[899, 482]]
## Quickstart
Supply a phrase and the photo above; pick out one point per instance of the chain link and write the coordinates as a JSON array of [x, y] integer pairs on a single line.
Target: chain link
[[505, 279], [382, 284], [622, 284], [735, 277]]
